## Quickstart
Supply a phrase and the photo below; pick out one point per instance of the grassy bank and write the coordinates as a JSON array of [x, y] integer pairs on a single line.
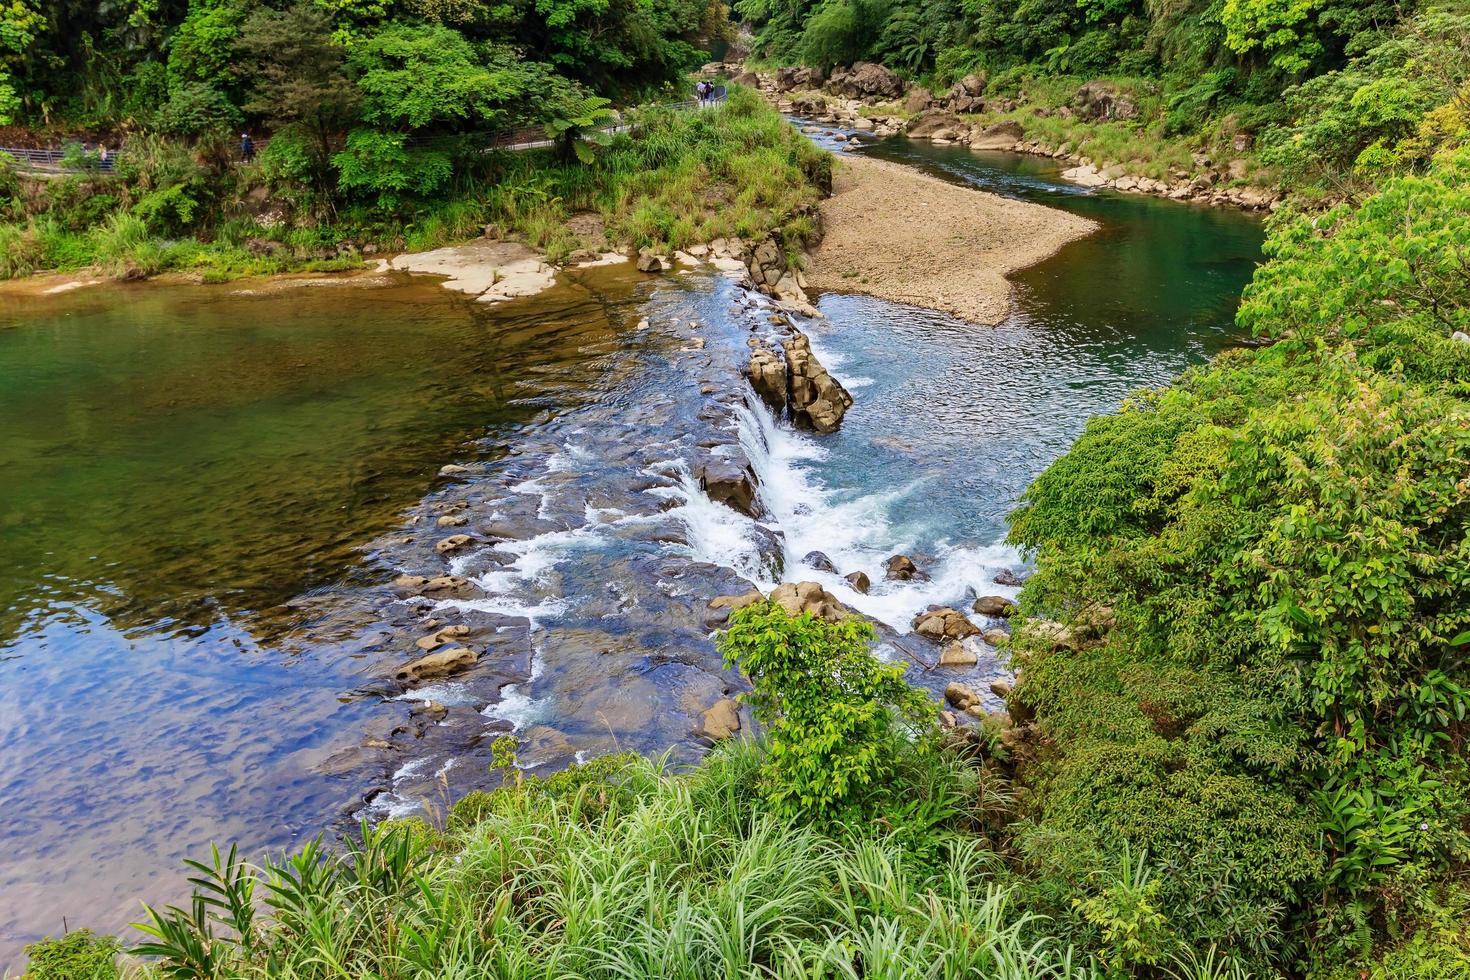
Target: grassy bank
[[677, 178]]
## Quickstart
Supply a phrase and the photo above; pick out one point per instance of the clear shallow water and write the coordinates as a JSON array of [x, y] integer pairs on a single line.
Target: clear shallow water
[[203, 495]]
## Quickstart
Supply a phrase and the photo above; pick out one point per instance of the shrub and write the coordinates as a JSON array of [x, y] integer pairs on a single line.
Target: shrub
[[838, 720], [78, 955]]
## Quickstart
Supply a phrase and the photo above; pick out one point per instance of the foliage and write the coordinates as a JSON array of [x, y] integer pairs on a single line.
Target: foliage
[[78, 955], [671, 875], [838, 719], [1274, 704]]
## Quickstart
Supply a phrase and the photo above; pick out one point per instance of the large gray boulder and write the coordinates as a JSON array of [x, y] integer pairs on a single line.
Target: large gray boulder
[[865, 80], [1001, 136], [1103, 101], [934, 123]]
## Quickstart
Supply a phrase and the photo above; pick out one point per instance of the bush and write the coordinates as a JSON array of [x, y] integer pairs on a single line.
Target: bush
[[838, 720], [78, 955]]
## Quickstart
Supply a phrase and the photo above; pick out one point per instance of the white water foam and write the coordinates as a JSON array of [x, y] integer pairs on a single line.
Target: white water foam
[[857, 530]]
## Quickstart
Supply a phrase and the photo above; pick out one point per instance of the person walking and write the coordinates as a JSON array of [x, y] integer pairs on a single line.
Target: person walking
[[247, 148]]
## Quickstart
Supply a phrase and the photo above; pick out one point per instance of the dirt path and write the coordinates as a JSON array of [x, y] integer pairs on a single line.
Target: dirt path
[[902, 235]]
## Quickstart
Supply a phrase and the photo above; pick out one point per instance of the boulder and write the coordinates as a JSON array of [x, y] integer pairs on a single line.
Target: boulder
[[650, 262], [767, 374], [730, 483], [788, 79], [865, 80], [1008, 578], [1103, 101], [859, 582], [810, 104], [436, 664], [966, 94], [1056, 635], [918, 100], [721, 721], [1001, 136], [994, 606], [819, 561], [453, 520], [901, 568], [734, 602], [926, 124], [817, 401], [996, 636], [747, 78], [961, 696], [809, 597], [958, 654], [940, 623]]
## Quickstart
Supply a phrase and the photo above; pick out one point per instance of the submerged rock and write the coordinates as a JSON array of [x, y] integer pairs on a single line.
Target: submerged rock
[[440, 585], [442, 636], [453, 543], [722, 720]]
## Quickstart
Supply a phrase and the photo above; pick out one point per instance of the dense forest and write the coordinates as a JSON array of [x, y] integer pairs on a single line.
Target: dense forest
[[370, 119]]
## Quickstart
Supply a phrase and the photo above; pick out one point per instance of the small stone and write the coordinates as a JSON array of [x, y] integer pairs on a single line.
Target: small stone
[[437, 664], [859, 582], [453, 520], [453, 543], [453, 469], [996, 636], [1008, 578], [995, 606]]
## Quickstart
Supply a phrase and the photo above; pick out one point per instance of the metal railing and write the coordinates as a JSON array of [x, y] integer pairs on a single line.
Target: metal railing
[[510, 140]]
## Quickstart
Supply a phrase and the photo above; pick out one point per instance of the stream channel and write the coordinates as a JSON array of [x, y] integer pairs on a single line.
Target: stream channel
[[205, 491]]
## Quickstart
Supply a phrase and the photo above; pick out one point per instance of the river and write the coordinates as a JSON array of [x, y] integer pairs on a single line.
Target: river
[[205, 491]]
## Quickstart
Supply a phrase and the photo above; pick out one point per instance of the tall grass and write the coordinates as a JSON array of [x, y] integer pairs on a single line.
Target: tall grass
[[624, 871]]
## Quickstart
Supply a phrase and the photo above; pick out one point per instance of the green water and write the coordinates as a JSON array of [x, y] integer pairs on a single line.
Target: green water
[[190, 482]]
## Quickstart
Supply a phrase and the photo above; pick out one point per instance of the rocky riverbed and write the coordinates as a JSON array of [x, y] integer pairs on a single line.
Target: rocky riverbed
[[869, 98]]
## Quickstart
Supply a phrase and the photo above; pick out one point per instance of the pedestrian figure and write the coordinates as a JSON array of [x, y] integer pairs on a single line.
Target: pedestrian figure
[[247, 148], [102, 156]]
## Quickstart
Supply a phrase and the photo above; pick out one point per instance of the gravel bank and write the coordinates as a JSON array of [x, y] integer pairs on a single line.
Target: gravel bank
[[902, 235]]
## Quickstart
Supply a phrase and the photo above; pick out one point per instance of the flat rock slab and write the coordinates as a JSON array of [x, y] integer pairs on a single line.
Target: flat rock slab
[[492, 271]]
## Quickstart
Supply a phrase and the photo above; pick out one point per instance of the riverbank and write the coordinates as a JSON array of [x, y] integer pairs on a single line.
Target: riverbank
[[1093, 127], [896, 233]]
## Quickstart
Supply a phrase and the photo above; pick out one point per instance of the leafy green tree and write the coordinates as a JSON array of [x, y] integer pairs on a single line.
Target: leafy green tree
[[297, 77]]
